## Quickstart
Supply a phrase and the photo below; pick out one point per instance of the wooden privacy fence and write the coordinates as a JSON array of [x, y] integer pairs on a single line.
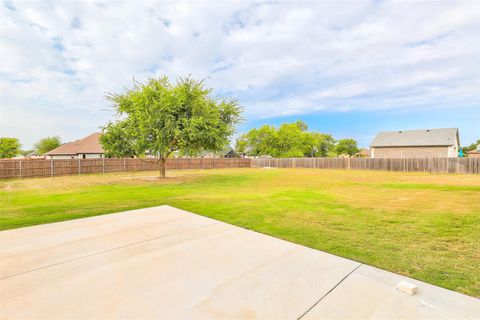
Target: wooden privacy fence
[[59, 167], [433, 165], [50, 168]]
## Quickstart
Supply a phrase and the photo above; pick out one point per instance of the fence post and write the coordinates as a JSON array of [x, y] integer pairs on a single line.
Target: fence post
[[79, 165], [51, 168], [124, 164], [103, 165], [20, 169]]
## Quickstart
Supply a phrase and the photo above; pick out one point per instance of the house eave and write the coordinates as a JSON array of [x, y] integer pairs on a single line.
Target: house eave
[[414, 145], [71, 154]]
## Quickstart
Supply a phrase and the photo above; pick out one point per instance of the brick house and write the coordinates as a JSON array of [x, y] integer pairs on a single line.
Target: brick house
[[429, 143], [85, 148], [474, 153]]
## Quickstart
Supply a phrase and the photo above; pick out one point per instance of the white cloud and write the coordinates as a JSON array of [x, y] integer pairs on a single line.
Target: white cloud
[[282, 58]]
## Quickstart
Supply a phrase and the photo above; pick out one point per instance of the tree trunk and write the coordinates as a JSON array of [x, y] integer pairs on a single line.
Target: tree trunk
[[162, 167]]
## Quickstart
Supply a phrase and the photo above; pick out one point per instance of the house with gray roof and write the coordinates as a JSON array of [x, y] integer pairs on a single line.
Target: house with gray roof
[[427, 143]]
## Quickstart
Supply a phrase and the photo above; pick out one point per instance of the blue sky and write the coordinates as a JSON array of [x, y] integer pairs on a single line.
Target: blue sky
[[350, 69]]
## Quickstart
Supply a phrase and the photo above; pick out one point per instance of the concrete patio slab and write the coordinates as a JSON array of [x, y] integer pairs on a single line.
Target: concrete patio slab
[[167, 263], [370, 293]]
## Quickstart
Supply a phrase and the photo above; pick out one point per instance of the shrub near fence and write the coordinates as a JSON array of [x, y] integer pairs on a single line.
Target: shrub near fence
[[49, 168], [433, 165]]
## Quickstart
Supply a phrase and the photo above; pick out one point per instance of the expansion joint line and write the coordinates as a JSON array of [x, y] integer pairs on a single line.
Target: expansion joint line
[[106, 251], [328, 292]]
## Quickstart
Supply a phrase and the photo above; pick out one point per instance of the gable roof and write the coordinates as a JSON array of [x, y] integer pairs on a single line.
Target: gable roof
[[474, 151], [364, 151], [227, 150], [89, 144], [409, 138]]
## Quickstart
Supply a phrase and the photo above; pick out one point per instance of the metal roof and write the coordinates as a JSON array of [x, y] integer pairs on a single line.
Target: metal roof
[[408, 138]]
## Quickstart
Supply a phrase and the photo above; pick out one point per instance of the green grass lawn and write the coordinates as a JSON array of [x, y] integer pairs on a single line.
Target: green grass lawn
[[420, 225]]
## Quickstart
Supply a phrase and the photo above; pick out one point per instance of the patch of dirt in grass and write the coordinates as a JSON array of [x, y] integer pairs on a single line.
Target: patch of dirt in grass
[[7, 186], [158, 180], [148, 178], [69, 183]]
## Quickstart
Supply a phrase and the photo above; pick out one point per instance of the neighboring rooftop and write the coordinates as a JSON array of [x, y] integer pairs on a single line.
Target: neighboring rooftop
[[89, 144], [474, 151], [225, 152], [408, 138], [363, 151]]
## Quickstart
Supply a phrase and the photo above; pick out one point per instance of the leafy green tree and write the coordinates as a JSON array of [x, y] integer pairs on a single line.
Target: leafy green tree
[[47, 144], [471, 147], [346, 146], [289, 140], [261, 141], [323, 144], [301, 125], [9, 147], [293, 140], [116, 140], [159, 118]]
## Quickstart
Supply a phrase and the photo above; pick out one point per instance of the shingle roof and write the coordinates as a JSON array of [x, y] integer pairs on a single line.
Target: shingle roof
[[475, 151], [224, 152], [89, 144], [406, 138]]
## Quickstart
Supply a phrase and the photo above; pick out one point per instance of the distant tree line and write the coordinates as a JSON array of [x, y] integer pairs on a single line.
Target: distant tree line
[[293, 140], [288, 140], [11, 147]]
